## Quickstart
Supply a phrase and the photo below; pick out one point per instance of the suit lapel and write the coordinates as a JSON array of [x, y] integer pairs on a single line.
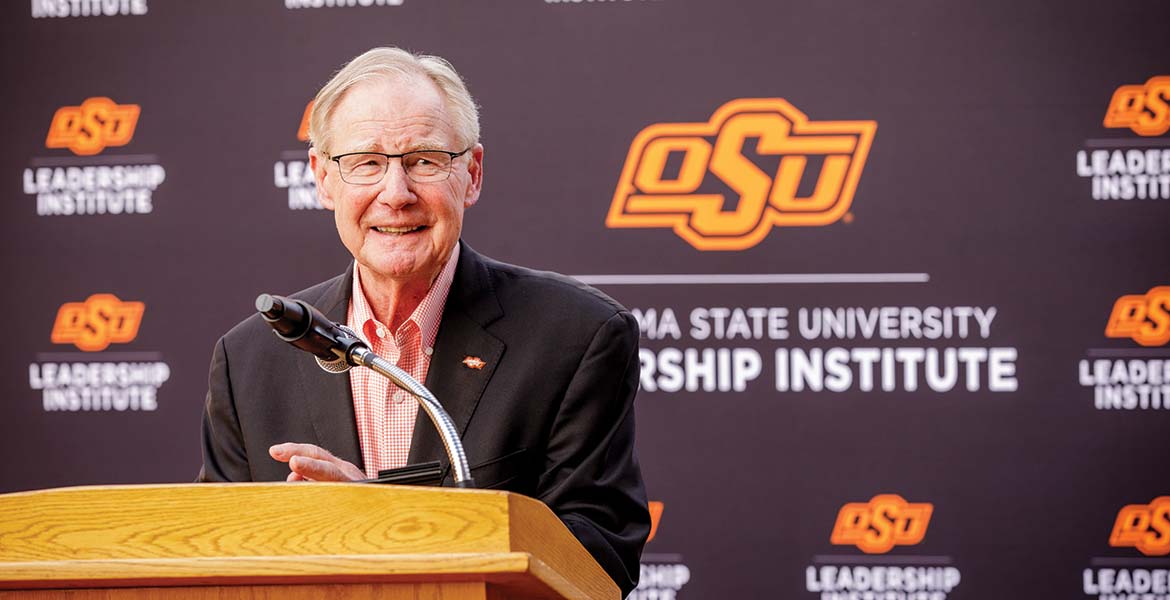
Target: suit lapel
[[471, 305], [329, 395]]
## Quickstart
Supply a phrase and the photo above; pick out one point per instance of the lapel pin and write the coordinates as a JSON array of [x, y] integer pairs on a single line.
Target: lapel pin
[[473, 362]]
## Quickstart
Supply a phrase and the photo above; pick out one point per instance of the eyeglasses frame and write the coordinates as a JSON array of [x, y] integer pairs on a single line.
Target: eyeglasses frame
[[453, 155]]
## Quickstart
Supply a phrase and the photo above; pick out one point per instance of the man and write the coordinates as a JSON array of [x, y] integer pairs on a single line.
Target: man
[[537, 371]]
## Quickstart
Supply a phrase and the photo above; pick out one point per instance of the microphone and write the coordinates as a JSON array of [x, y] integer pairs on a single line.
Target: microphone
[[337, 347], [303, 326]]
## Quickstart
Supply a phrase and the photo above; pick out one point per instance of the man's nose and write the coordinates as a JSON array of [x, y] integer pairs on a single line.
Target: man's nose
[[396, 186]]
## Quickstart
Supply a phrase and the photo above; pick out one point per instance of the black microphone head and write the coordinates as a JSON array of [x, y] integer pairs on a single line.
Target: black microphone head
[[291, 319], [269, 306]]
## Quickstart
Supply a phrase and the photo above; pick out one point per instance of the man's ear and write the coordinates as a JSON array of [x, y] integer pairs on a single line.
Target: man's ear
[[317, 163], [475, 169]]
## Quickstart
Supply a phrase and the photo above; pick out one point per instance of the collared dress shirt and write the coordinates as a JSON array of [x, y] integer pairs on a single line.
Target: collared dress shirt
[[385, 413]]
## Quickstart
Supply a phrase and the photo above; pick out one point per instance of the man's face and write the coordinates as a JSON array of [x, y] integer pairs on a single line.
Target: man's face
[[396, 229]]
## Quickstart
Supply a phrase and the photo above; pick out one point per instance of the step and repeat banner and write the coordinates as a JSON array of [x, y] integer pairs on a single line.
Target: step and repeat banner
[[902, 270]]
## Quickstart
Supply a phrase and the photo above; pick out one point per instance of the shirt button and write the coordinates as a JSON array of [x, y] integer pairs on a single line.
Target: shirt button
[[381, 333], [429, 350]]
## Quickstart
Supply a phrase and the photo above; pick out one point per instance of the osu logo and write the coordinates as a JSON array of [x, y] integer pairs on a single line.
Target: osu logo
[[656, 509], [101, 320], [1145, 527], [1142, 108], [91, 127], [650, 195], [882, 523], [1146, 318], [303, 130]]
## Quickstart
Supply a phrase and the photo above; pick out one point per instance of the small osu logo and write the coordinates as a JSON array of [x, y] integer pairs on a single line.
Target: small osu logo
[[647, 196], [101, 320], [887, 520], [656, 509], [1143, 108], [90, 128], [1144, 526], [1145, 318], [303, 130]]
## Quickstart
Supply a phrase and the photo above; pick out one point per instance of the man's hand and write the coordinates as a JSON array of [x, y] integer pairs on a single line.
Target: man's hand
[[314, 463]]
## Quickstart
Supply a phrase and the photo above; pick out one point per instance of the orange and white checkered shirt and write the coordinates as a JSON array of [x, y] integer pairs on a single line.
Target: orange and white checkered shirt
[[385, 413]]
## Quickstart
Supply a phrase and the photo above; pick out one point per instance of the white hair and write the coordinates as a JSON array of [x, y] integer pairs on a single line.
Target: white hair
[[389, 63]]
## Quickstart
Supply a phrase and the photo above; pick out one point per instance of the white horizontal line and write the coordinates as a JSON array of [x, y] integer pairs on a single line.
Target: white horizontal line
[[1128, 352], [648, 557], [84, 161], [892, 560], [97, 356], [752, 278], [1130, 142], [1113, 561]]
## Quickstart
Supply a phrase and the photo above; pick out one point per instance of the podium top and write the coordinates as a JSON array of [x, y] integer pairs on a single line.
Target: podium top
[[212, 534]]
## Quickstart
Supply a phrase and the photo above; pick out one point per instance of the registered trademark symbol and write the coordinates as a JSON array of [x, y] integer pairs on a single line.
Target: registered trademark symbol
[[848, 218]]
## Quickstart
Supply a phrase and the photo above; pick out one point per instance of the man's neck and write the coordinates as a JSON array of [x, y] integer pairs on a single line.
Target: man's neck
[[391, 300]]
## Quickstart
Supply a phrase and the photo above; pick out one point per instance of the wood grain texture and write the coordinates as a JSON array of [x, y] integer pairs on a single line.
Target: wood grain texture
[[254, 569], [180, 521], [567, 568], [418, 591], [253, 536]]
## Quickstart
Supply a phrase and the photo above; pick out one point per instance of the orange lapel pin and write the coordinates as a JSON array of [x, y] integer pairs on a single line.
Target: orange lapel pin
[[473, 362]]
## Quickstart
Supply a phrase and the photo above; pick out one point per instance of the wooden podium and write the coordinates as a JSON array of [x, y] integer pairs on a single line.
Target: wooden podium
[[289, 541]]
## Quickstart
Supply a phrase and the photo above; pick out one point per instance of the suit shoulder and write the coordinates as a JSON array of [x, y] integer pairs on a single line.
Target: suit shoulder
[[548, 292]]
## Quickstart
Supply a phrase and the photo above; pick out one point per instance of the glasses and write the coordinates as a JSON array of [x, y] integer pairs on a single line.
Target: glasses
[[421, 166]]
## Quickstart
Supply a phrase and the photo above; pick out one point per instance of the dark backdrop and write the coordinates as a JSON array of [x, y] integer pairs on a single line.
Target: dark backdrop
[[970, 196]]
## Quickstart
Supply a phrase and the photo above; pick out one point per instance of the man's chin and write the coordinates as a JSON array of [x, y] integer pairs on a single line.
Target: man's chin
[[400, 269]]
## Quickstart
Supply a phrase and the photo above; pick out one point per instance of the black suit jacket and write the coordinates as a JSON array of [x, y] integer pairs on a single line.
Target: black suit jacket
[[550, 415]]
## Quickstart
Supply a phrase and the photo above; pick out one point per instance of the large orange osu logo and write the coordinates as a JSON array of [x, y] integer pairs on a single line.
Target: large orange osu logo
[[647, 197]]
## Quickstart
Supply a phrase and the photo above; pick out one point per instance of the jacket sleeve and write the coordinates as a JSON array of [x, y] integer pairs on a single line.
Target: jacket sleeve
[[591, 478], [224, 455]]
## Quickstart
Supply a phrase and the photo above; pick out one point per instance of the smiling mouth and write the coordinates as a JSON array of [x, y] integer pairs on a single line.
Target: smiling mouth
[[399, 230]]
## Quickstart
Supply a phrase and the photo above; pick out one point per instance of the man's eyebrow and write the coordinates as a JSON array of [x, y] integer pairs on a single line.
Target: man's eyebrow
[[373, 146], [361, 146], [423, 145]]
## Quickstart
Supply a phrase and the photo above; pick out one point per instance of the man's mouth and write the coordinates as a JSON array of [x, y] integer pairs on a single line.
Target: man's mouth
[[399, 230]]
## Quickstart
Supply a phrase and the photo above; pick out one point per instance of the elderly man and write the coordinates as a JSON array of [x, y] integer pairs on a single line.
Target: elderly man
[[538, 371]]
